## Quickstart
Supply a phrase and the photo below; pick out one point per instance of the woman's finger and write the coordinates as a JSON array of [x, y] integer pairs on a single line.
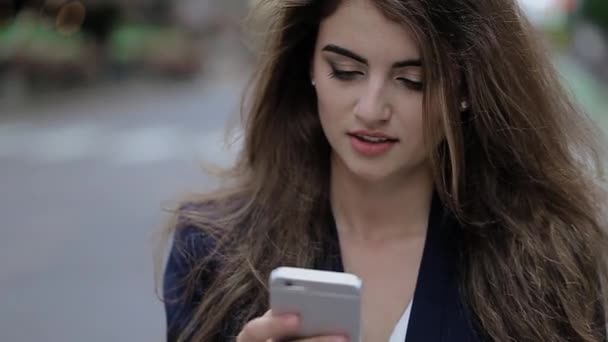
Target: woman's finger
[[269, 327], [326, 339]]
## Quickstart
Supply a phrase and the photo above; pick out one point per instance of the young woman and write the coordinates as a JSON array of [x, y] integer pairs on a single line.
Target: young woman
[[425, 146]]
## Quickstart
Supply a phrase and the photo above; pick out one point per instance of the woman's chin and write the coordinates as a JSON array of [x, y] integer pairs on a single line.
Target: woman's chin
[[369, 171], [375, 173]]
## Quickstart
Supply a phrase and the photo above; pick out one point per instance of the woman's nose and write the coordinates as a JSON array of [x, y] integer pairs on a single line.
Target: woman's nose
[[372, 107]]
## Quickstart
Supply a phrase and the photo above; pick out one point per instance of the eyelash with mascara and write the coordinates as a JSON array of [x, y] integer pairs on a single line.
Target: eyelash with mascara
[[345, 76]]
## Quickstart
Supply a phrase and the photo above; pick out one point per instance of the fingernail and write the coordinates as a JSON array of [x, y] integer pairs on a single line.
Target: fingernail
[[291, 320]]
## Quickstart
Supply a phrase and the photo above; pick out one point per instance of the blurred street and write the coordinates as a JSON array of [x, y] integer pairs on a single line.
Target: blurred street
[[84, 180]]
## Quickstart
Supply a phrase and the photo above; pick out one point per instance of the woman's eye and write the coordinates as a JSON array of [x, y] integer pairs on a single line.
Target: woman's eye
[[344, 75], [414, 85]]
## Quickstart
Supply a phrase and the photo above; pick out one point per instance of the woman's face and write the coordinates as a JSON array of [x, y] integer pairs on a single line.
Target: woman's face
[[368, 79]]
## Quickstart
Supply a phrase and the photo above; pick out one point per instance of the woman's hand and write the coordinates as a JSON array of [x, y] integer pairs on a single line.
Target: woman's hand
[[275, 328]]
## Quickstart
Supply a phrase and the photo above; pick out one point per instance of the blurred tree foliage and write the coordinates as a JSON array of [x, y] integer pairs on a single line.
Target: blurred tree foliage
[[597, 12]]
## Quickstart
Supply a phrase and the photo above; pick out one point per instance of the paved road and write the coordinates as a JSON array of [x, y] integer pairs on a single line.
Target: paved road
[[83, 184]]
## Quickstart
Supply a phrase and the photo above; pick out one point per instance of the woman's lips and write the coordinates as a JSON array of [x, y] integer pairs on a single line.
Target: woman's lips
[[373, 135], [371, 145]]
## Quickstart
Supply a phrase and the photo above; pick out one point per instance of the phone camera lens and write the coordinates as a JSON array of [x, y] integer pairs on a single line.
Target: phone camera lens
[[288, 283]]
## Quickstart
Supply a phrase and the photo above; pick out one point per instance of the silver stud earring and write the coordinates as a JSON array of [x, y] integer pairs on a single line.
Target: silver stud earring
[[314, 84], [464, 105]]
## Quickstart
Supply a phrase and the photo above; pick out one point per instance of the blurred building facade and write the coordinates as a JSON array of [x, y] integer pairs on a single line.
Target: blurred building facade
[[58, 43]]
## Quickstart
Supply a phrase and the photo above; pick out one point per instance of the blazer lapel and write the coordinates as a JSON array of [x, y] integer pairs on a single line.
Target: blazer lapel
[[438, 313]]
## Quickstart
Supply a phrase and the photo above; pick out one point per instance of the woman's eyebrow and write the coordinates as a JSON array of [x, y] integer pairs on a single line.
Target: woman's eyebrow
[[352, 55]]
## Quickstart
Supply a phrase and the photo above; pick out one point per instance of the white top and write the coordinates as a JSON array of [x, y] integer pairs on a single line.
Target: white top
[[400, 330]]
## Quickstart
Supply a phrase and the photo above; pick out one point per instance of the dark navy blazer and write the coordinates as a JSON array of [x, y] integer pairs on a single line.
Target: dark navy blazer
[[439, 313]]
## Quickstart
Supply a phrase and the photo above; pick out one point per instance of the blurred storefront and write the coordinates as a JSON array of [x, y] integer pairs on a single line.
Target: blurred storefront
[[68, 42]]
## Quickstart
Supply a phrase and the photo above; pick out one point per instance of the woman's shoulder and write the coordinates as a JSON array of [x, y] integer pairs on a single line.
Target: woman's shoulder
[[199, 224], [197, 230], [190, 233], [191, 242]]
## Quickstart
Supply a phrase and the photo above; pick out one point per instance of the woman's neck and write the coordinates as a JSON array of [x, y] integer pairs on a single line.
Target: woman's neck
[[395, 208]]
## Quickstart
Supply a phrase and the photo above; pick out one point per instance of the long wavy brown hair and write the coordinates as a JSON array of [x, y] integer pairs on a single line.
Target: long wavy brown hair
[[521, 170]]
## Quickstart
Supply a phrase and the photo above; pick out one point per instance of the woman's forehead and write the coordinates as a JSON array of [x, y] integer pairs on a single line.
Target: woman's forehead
[[360, 27]]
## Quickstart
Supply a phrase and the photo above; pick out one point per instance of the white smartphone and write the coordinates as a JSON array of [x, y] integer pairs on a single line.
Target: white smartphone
[[328, 303]]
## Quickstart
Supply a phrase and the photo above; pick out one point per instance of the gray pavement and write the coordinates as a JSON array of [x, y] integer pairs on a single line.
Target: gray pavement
[[84, 180]]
